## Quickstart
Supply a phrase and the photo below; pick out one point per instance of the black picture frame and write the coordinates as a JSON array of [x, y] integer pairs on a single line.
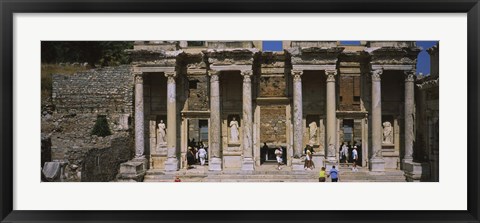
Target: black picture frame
[[9, 7]]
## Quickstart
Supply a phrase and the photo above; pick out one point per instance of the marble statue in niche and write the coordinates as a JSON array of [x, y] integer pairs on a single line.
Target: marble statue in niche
[[387, 133], [234, 130], [161, 133]]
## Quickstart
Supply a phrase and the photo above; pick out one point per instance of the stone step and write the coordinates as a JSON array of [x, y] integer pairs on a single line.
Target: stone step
[[203, 175]]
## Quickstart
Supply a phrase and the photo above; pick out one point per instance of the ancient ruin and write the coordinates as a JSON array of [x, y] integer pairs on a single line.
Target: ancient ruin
[[241, 103]]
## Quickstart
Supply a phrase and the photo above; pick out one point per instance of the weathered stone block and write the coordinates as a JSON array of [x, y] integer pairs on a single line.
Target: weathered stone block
[[232, 162]]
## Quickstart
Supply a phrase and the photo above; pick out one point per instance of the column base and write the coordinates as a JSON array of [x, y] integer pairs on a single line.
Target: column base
[[133, 170], [172, 164], [318, 160], [143, 160], [330, 162], [377, 165], [416, 172], [298, 164], [248, 164], [215, 164]]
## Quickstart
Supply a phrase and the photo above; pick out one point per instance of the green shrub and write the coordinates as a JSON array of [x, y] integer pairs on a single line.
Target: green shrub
[[101, 127]]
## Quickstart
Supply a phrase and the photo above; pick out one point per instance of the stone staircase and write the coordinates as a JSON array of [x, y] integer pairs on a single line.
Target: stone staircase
[[363, 175], [201, 174], [270, 174]]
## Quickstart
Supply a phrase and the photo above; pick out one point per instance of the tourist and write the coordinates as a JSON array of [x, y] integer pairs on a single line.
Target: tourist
[[177, 179], [192, 143], [333, 174], [279, 153], [321, 176], [195, 151], [264, 153], [355, 158], [308, 161], [350, 158], [344, 152], [202, 154], [308, 148], [190, 158], [340, 153]]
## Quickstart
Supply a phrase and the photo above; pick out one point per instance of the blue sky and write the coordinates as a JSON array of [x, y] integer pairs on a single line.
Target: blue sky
[[423, 64]]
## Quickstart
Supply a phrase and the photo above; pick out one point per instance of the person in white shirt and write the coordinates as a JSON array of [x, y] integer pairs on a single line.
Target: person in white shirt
[[202, 154], [344, 152], [355, 158]]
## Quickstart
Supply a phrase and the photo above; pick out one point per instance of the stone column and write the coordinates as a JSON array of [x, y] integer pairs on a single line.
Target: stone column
[[297, 120], [215, 160], [331, 118], [139, 117], [247, 116], [376, 160], [172, 163], [409, 109]]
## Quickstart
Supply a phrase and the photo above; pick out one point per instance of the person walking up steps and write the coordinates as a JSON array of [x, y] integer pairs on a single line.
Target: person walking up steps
[[333, 174], [355, 158], [321, 176]]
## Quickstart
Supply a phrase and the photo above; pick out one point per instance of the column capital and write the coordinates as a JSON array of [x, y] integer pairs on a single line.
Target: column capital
[[170, 74], [410, 75], [214, 74], [297, 75], [246, 72], [138, 77], [330, 75], [377, 74]]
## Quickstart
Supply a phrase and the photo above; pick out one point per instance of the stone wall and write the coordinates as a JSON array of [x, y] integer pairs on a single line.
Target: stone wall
[[105, 90], [79, 100], [273, 124], [102, 164], [90, 158], [198, 95]]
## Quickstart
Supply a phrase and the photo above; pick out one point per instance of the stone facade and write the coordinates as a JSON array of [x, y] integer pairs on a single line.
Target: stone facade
[[317, 93]]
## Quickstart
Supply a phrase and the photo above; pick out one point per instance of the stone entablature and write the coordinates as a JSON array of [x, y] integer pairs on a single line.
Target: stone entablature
[[156, 45], [314, 56], [395, 44], [315, 44], [226, 57], [393, 56], [229, 44], [147, 57]]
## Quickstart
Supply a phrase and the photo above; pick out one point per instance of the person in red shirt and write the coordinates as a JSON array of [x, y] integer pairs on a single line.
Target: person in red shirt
[[177, 179]]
